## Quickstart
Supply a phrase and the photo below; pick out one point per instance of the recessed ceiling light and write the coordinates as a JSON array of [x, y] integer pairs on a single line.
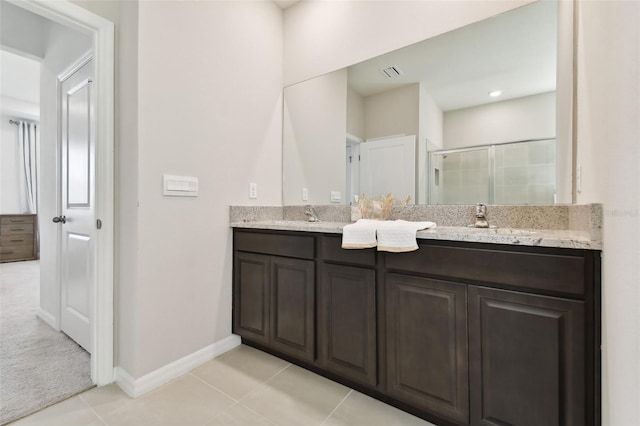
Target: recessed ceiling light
[[495, 93]]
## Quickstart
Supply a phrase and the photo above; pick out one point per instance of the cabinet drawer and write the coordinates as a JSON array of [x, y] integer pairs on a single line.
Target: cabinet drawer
[[16, 252], [280, 245], [16, 229], [13, 220], [16, 240], [332, 251], [538, 271]]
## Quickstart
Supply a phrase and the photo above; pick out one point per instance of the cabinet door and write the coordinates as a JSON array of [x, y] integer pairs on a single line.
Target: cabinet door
[[427, 345], [293, 307], [347, 322], [251, 296], [526, 359]]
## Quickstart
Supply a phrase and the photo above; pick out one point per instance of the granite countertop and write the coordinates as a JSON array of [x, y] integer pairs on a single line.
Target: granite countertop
[[524, 237]]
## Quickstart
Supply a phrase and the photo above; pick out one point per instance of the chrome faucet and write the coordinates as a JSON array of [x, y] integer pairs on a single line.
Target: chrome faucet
[[481, 216], [313, 217]]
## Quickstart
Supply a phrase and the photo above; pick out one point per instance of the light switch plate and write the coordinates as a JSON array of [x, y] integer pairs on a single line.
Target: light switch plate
[[179, 186]]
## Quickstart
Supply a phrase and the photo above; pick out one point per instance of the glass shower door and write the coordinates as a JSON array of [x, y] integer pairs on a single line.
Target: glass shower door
[[510, 173]]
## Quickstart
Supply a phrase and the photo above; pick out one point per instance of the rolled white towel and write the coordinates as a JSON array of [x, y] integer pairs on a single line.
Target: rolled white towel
[[400, 235], [360, 235]]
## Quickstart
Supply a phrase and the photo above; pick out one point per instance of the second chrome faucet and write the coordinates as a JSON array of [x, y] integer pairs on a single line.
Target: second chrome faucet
[[481, 216]]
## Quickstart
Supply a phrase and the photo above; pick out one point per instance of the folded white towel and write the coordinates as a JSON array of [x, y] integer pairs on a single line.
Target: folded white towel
[[400, 235], [359, 235]]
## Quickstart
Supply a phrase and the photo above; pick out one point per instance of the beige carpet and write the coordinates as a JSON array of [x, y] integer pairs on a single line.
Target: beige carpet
[[38, 365]]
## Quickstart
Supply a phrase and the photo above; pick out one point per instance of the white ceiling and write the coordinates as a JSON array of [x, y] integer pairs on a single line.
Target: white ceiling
[[514, 52]]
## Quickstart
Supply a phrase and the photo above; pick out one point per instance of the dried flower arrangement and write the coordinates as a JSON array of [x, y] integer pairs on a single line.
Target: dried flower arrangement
[[379, 207]]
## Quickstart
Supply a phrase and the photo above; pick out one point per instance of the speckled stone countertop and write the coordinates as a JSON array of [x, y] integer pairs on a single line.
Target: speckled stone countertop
[[562, 226]]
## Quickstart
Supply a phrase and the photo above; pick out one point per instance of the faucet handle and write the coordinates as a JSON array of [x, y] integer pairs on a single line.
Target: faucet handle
[[481, 210], [313, 217]]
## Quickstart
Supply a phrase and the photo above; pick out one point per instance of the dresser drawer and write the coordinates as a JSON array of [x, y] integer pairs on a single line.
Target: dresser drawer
[[16, 229], [16, 220], [16, 240], [19, 252]]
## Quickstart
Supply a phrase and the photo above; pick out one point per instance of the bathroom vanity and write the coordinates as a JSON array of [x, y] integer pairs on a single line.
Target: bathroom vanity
[[457, 332]]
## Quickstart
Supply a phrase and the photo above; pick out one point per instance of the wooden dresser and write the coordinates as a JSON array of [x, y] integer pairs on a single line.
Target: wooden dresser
[[18, 236]]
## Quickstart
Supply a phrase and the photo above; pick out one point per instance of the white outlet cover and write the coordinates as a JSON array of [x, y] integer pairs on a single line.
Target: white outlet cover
[[336, 196], [305, 194], [253, 190]]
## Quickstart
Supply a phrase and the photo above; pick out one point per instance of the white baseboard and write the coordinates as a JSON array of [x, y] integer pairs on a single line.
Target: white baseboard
[[48, 318], [137, 387]]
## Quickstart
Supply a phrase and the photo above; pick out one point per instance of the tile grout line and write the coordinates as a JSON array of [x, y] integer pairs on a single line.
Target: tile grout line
[[273, 422], [263, 384], [130, 400], [215, 416], [95, 413], [214, 387], [337, 406], [278, 372]]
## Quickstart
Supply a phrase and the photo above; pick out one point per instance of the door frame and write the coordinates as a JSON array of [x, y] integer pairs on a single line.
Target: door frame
[[102, 32]]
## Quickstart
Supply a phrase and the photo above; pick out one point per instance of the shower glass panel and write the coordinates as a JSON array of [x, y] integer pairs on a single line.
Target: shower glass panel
[[461, 176], [525, 173], [510, 173]]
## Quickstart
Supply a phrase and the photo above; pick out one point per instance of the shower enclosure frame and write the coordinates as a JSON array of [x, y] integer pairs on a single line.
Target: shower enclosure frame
[[491, 166]]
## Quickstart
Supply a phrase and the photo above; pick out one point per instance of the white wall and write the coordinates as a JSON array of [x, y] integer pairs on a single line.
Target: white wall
[[530, 117], [22, 31], [355, 113], [392, 112], [210, 105], [429, 139], [314, 139], [63, 48], [564, 104], [609, 153], [324, 36]]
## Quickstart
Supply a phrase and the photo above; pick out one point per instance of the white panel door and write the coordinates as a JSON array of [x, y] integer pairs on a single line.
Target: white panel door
[[78, 205], [388, 166]]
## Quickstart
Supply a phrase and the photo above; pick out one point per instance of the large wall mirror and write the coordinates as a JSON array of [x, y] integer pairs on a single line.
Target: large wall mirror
[[468, 116]]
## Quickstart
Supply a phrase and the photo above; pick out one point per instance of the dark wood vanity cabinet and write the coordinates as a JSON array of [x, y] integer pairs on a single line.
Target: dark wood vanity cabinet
[[457, 333], [427, 363], [274, 296], [251, 296], [347, 323], [347, 312], [527, 359]]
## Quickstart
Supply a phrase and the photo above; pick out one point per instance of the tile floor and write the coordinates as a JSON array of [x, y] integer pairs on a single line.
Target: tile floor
[[242, 387]]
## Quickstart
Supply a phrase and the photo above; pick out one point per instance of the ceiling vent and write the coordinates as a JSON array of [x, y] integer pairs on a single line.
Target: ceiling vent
[[392, 72]]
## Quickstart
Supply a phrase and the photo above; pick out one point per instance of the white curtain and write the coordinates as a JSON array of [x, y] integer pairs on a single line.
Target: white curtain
[[28, 140]]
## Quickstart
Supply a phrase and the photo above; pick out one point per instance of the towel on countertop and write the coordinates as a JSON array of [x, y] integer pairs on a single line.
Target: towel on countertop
[[400, 235], [360, 235], [393, 236]]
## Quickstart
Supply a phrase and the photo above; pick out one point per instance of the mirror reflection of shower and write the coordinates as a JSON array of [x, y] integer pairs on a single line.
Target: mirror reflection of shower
[[509, 173]]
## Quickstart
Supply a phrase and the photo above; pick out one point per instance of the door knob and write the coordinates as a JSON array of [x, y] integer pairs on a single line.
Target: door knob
[[59, 219]]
